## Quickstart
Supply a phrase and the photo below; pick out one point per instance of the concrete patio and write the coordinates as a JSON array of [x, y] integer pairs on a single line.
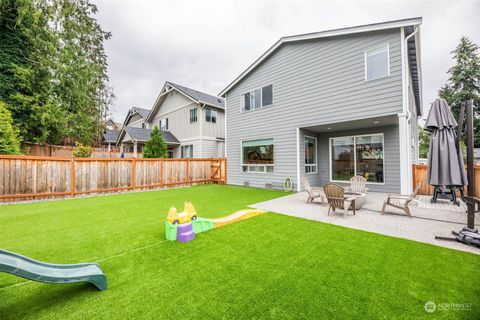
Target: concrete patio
[[428, 220]]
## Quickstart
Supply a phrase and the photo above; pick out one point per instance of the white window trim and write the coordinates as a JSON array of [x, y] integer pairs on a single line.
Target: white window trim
[[256, 165], [316, 156], [216, 115], [190, 150], [242, 98], [355, 157], [190, 115], [365, 61]]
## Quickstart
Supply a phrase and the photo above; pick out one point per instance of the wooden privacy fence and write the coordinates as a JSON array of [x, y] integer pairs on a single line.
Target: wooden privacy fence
[[28, 177], [420, 176]]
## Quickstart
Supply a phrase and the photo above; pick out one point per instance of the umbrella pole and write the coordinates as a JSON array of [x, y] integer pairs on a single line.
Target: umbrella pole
[[470, 166]]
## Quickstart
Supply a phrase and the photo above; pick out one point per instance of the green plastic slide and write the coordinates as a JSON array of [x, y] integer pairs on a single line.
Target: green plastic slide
[[52, 273]]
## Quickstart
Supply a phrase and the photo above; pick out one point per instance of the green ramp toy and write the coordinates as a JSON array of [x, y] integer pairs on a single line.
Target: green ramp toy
[[30, 269]]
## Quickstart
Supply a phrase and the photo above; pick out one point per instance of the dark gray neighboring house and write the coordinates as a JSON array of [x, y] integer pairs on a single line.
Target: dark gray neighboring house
[[329, 105]]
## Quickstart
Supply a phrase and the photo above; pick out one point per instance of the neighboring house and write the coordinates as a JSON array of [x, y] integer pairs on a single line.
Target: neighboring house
[[110, 124], [195, 119], [329, 105], [112, 131], [134, 130]]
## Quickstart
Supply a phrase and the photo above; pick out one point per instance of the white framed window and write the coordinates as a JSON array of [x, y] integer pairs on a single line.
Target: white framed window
[[187, 151], [257, 155], [193, 115], [310, 154], [377, 62], [361, 155], [164, 124], [210, 115], [257, 98]]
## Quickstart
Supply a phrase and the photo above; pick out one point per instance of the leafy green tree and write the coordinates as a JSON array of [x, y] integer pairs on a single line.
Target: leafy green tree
[[9, 143], [464, 82], [155, 147], [53, 69]]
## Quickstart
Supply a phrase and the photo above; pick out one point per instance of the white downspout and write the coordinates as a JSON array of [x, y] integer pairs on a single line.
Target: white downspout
[[403, 119], [298, 159]]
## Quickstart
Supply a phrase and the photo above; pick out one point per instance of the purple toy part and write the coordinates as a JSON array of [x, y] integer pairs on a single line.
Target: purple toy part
[[185, 232]]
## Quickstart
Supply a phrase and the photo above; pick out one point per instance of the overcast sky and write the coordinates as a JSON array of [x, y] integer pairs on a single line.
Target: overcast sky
[[206, 44]]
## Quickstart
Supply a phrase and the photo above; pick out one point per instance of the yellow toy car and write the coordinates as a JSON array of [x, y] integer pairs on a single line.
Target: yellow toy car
[[188, 214]]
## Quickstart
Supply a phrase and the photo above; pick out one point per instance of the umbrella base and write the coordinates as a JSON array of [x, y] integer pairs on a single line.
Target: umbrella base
[[467, 236], [448, 192]]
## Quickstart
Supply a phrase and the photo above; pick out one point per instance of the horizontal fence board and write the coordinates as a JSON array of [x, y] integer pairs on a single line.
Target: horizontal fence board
[[32, 177], [420, 176]]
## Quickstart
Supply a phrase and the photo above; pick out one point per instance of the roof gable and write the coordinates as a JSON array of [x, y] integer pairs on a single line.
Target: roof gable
[[191, 94], [318, 35]]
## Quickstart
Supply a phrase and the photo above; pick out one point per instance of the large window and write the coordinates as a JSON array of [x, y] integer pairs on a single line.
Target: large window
[[377, 63], [310, 155], [357, 155], [187, 151], [258, 98], [257, 155], [193, 115], [211, 115]]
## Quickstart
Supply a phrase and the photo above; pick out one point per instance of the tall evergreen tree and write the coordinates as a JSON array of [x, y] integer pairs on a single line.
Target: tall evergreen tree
[[155, 147], [464, 81]]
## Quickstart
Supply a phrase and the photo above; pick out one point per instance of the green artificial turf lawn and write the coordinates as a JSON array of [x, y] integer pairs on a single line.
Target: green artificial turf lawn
[[270, 266]]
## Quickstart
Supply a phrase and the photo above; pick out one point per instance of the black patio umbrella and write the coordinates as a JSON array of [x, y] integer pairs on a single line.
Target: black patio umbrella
[[446, 170]]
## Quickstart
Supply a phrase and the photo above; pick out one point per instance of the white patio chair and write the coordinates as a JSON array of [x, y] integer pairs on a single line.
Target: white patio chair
[[357, 184], [313, 193]]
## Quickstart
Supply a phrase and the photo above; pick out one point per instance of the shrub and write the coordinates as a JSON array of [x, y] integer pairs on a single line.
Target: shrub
[[9, 142], [82, 151]]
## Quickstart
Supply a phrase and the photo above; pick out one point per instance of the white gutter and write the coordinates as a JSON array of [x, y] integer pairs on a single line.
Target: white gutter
[[407, 67]]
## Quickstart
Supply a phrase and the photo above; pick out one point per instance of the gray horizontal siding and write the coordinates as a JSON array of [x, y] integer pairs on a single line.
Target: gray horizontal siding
[[314, 82]]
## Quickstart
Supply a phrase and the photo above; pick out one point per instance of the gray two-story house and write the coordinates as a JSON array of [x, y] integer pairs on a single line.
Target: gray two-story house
[[329, 105]]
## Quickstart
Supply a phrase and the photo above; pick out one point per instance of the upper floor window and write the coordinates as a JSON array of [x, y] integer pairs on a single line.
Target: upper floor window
[[164, 124], [258, 98], [211, 115], [193, 115], [377, 62], [144, 125]]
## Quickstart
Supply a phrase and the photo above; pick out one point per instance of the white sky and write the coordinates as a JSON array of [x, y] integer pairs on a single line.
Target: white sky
[[206, 44]]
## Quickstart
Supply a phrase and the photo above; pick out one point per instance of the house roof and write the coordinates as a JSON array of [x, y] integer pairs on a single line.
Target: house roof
[[141, 111], [322, 34], [194, 95], [200, 96], [142, 135], [111, 136]]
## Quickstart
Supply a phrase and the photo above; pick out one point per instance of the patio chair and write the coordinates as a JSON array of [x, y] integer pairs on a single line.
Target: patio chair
[[357, 184], [313, 193], [336, 198], [401, 201]]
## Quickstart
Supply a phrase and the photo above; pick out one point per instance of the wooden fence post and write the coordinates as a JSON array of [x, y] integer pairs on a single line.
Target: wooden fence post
[[188, 171], [72, 178], [161, 173], [134, 173]]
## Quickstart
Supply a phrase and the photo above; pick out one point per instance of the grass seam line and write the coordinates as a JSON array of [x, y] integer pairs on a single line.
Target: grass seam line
[[98, 260]]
